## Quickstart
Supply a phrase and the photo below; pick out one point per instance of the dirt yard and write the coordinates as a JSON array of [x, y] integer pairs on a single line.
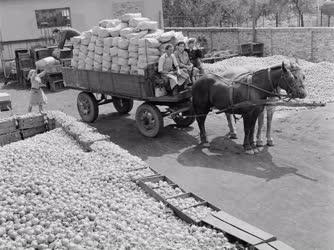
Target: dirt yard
[[286, 190]]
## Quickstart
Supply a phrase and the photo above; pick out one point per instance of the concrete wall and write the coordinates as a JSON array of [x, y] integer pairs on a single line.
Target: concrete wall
[[313, 44]]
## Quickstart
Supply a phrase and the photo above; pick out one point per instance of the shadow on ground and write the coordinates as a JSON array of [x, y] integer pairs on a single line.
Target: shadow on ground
[[227, 155]]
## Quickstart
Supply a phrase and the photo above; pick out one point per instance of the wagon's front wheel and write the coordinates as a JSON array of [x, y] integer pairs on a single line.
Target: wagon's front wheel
[[88, 107], [122, 105], [149, 120]]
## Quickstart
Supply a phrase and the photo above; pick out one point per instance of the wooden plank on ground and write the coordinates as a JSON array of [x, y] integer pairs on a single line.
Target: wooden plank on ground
[[7, 126], [10, 137], [243, 225], [236, 232], [31, 122], [26, 133], [279, 245]]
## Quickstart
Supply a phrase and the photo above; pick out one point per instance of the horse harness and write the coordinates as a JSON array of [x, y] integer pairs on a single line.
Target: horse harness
[[249, 84]]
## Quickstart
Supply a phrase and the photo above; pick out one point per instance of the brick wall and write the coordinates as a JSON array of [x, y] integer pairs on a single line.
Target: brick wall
[[313, 44]]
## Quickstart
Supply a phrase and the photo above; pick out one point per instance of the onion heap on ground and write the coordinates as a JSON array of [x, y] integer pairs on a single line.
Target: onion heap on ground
[[125, 45], [318, 76], [54, 195]]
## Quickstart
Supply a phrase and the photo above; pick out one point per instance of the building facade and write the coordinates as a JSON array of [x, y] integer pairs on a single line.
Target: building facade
[[18, 22]]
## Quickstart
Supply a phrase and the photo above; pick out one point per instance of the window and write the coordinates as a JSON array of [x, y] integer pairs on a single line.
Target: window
[[50, 18]]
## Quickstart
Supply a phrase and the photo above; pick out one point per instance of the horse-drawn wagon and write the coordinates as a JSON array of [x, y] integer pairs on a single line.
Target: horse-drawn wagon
[[98, 88]]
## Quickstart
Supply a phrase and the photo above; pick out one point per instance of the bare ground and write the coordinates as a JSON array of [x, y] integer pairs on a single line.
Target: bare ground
[[287, 190]]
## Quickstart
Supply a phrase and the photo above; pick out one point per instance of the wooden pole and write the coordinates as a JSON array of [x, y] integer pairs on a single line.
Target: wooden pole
[[254, 20]]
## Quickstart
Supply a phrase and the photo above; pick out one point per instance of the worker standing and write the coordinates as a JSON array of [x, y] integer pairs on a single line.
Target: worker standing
[[37, 96], [61, 36]]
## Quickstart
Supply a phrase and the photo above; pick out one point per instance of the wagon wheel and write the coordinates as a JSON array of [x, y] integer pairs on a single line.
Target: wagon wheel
[[87, 107], [149, 120], [122, 105], [184, 119]]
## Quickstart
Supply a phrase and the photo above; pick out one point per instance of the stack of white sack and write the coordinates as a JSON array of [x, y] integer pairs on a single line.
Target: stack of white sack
[[126, 45]]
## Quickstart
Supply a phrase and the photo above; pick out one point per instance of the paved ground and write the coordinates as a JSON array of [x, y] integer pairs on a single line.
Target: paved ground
[[286, 190]]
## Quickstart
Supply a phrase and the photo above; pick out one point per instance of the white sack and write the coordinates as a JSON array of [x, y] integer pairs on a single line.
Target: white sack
[[136, 20], [123, 43], [98, 58], [98, 50], [128, 16], [107, 42], [123, 53], [122, 61], [125, 70], [126, 31], [149, 51], [134, 55], [147, 25], [113, 51], [149, 42], [133, 61], [133, 48], [115, 41], [91, 54], [91, 46], [93, 39], [106, 57], [115, 68], [167, 36], [109, 23]]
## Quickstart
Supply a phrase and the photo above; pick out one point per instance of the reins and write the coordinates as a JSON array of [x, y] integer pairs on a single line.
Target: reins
[[249, 85]]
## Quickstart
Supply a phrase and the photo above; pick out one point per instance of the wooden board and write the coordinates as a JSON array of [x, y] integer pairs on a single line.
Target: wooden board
[[7, 126], [26, 133], [243, 225], [31, 122], [10, 137], [230, 229]]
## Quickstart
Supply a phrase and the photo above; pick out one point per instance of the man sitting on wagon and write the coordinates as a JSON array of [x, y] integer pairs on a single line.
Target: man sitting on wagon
[[184, 61], [167, 66], [195, 55]]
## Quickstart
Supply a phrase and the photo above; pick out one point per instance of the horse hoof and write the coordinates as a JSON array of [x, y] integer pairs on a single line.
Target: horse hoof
[[249, 152], [256, 150], [233, 136], [259, 143], [270, 143]]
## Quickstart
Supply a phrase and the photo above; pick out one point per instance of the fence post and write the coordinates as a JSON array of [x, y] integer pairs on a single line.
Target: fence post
[[312, 45]]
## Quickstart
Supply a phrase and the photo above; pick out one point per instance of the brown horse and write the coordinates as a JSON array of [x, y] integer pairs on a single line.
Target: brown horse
[[299, 76], [219, 92]]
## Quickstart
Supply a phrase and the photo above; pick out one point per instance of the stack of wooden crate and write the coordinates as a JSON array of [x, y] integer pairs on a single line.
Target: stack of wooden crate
[[20, 128]]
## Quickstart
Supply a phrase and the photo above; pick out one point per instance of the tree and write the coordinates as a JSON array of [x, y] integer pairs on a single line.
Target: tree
[[301, 7]]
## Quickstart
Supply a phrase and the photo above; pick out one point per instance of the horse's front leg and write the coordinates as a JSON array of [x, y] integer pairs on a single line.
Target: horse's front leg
[[270, 114], [247, 129], [253, 119], [232, 133], [260, 122], [201, 114]]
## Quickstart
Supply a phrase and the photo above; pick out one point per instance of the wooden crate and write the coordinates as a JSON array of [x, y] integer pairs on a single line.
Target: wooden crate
[[10, 137], [26, 133], [7, 126], [31, 122]]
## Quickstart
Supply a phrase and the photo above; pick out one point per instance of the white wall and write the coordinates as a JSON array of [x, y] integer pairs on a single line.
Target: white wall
[[18, 21]]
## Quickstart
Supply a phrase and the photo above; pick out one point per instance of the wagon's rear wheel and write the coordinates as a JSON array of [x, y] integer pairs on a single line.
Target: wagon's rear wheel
[[122, 105], [184, 119], [88, 107], [149, 120]]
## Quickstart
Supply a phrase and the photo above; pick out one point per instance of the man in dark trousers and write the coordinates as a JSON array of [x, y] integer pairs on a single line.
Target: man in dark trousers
[[61, 36], [195, 55]]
